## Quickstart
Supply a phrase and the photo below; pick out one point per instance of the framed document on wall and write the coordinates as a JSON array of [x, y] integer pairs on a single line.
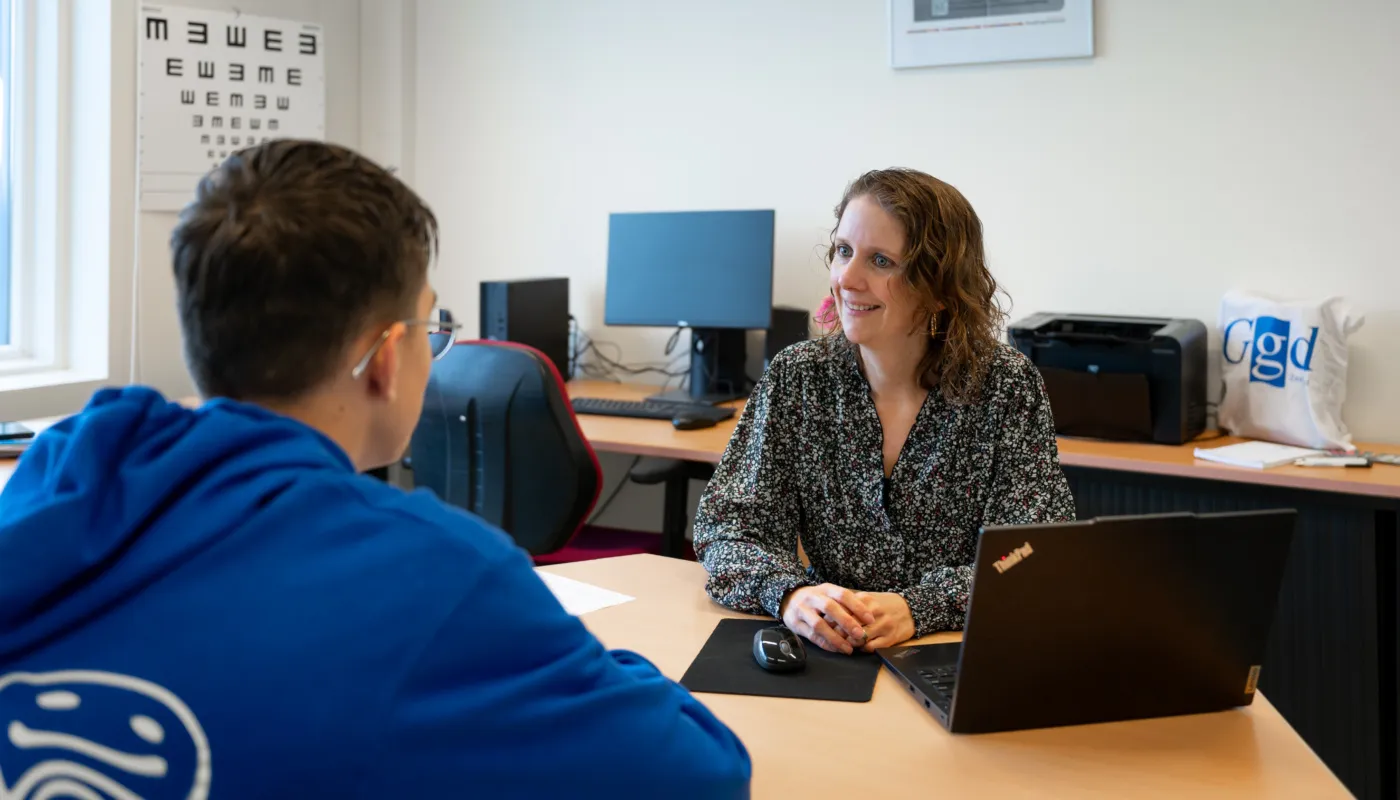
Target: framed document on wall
[[214, 82], [931, 33]]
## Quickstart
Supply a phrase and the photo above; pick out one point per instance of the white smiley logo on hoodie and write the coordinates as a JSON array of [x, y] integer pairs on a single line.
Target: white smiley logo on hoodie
[[95, 735]]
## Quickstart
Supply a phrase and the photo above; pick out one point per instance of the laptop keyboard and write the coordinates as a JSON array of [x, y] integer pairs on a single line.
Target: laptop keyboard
[[942, 680]]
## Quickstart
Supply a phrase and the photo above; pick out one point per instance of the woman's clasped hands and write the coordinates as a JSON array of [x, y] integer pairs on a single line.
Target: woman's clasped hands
[[842, 621]]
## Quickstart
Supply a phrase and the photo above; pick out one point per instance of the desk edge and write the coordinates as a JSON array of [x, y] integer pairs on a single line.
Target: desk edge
[[1204, 470]]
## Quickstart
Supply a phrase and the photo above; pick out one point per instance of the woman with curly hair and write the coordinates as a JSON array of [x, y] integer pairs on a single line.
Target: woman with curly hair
[[883, 446]]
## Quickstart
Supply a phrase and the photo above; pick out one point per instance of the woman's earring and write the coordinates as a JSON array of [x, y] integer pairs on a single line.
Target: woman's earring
[[933, 325]]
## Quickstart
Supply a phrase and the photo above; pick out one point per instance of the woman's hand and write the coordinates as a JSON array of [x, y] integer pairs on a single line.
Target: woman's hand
[[831, 617], [893, 623]]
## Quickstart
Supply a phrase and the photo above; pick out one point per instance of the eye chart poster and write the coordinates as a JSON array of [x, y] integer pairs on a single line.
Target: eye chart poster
[[213, 82]]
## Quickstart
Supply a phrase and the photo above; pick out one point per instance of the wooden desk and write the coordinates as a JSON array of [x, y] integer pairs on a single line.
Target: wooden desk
[[891, 747], [7, 465], [645, 437], [648, 437], [1333, 664], [1180, 462]]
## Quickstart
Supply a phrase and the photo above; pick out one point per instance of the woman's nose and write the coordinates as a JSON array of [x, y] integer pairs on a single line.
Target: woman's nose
[[850, 276]]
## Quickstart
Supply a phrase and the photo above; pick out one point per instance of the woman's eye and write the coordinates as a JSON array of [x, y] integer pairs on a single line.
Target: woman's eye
[[843, 250], [881, 261]]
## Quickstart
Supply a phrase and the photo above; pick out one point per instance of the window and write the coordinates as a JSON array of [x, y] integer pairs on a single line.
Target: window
[[32, 116], [5, 51], [57, 341]]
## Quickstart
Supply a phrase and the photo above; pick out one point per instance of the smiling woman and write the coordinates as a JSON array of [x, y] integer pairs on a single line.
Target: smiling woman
[[885, 445], [923, 243]]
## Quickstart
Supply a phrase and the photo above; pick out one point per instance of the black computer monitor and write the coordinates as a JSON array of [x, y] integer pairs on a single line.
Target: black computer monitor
[[710, 271]]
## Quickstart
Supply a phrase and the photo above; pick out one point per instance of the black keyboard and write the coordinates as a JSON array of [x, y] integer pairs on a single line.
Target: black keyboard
[[648, 409], [942, 680]]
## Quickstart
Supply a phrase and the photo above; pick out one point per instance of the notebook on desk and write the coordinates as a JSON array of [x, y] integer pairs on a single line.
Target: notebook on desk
[[1257, 455]]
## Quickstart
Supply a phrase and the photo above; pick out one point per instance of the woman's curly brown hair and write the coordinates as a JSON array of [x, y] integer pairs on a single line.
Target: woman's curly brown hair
[[945, 266]]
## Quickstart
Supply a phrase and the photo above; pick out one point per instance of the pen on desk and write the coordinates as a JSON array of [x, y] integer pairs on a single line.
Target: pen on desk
[[1333, 461]]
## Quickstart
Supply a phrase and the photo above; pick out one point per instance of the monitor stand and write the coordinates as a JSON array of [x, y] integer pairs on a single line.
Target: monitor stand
[[717, 358]]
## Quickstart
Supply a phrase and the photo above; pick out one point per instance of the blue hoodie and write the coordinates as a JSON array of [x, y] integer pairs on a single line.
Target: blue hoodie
[[214, 597]]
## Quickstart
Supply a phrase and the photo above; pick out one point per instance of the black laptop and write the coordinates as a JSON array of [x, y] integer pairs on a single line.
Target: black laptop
[[1109, 619]]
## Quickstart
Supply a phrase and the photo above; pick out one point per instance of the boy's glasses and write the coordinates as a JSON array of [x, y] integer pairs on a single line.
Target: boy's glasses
[[441, 335]]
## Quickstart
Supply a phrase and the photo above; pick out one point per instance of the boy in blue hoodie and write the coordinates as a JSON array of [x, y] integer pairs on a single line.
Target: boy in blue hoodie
[[214, 602]]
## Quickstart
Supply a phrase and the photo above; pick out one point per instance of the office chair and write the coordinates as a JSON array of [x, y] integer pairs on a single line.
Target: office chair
[[498, 438], [675, 475]]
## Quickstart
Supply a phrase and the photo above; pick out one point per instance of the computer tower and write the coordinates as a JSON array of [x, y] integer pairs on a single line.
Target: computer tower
[[531, 312], [789, 326]]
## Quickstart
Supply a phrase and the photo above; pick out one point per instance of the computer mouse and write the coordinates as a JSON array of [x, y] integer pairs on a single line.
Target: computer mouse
[[686, 422], [778, 649]]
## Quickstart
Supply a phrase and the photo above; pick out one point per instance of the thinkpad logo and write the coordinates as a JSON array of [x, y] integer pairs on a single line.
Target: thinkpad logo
[[1013, 558]]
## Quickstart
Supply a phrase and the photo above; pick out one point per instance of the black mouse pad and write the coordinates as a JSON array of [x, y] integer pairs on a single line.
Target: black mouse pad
[[726, 666]]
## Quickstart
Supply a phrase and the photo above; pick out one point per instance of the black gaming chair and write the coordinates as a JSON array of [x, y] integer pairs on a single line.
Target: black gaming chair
[[498, 438]]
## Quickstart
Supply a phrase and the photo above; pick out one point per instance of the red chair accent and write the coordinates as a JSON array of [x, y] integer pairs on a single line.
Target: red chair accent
[[498, 438], [598, 542]]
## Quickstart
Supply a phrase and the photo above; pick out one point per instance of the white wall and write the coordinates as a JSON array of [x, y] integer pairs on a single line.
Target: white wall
[[1210, 145], [159, 360]]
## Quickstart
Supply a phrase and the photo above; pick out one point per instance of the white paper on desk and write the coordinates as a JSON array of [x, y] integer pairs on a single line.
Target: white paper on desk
[[579, 598], [1258, 455]]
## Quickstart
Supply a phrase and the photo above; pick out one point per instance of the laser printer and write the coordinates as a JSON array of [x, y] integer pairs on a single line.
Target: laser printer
[[1123, 378]]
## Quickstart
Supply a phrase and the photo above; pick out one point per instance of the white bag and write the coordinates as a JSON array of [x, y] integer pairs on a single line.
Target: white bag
[[1284, 368]]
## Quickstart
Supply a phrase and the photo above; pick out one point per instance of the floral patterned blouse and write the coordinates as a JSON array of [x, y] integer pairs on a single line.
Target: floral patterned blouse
[[806, 462]]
